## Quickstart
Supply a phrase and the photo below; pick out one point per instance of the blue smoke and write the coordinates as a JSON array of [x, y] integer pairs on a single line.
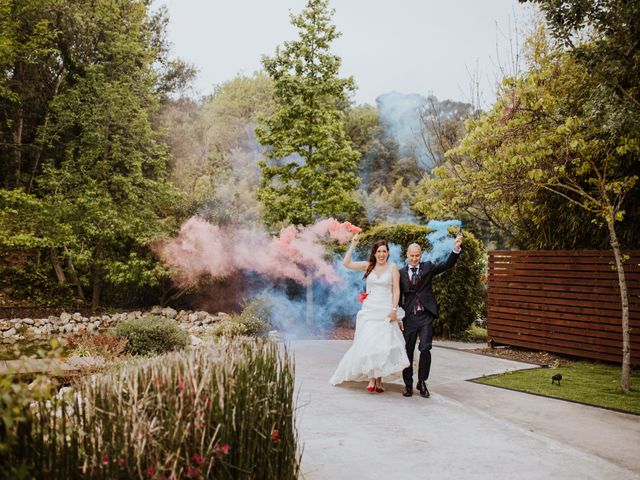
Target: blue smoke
[[400, 115], [439, 239], [338, 302]]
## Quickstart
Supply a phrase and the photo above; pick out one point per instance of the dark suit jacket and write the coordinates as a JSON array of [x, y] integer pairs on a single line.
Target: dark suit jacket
[[424, 289]]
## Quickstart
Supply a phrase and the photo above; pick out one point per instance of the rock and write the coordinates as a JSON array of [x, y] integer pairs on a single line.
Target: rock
[[156, 310], [131, 315], [5, 325], [106, 318], [222, 314], [39, 321], [181, 314], [77, 317], [209, 320], [195, 341], [28, 321], [52, 319], [202, 315], [169, 312], [9, 333], [64, 318], [192, 317]]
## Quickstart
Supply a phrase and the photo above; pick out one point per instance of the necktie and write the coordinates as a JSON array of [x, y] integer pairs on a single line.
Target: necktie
[[417, 306]]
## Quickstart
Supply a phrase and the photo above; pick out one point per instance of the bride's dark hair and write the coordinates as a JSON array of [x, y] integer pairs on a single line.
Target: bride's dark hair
[[372, 256]]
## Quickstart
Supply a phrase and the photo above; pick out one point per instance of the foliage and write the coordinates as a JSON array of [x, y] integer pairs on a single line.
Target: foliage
[[254, 320], [590, 383], [214, 149], [83, 170], [475, 333], [541, 139], [102, 344], [460, 292], [309, 170], [16, 400], [393, 205], [150, 335], [225, 411]]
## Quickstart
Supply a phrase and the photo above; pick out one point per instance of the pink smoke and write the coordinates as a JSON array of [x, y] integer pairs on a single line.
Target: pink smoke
[[297, 253]]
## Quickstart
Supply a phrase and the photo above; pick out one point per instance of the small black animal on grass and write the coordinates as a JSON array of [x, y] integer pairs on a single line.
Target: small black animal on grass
[[556, 378]]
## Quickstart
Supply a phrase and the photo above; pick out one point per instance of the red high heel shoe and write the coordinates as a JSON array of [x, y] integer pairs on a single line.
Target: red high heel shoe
[[371, 388], [380, 389]]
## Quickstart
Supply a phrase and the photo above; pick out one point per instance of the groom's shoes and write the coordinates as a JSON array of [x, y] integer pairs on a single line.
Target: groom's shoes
[[408, 391], [424, 391]]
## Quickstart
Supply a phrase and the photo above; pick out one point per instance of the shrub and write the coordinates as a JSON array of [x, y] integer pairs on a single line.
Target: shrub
[[102, 344], [252, 321], [460, 292], [149, 335], [229, 327], [224, 411]]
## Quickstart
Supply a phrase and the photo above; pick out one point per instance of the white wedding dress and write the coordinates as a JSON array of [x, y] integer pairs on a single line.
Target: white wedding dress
[[378, 348]]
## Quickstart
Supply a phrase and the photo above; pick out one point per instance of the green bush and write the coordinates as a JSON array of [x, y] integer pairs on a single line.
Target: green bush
[[252, 321], [460, 292], [230, 327], [219, 412], [149, 335]]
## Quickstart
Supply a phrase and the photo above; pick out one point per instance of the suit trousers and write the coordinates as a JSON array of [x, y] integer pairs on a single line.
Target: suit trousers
[[418, 325]]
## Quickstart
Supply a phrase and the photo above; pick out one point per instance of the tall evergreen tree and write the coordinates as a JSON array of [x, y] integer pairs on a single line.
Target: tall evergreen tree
[[310, 168]]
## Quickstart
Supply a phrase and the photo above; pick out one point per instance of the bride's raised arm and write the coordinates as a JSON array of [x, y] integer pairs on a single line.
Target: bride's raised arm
[[347, 262]]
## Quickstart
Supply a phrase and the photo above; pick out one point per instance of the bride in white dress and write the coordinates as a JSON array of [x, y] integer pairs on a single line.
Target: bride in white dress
[[378, 348]]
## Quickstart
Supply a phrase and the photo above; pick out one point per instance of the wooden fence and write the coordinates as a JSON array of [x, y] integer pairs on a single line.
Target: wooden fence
[[566, 302]]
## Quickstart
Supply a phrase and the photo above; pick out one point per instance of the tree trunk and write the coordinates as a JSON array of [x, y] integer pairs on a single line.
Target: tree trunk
[[310, 302], [97, 278], [41, 140], [73, 275], [626, 344], [57, 268], [17, 145]]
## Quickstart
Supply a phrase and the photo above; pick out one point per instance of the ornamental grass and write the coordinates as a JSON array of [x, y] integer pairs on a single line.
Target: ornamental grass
[[222, 411]]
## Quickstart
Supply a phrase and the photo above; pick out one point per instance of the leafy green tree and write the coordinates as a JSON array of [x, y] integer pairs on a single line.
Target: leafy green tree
[[214, 150], [540, 136], [79, 88], [310, 166]]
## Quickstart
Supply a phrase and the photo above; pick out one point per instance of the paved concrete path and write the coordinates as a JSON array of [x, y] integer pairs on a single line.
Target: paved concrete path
[[464, 431]]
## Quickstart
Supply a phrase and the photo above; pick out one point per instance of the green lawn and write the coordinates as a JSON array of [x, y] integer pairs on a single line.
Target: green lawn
[[592, 383]]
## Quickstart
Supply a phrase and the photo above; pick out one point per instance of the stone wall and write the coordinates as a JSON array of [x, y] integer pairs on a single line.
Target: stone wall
[[15, 329]]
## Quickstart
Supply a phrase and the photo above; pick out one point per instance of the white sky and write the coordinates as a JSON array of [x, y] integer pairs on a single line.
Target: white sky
[[410, 46]]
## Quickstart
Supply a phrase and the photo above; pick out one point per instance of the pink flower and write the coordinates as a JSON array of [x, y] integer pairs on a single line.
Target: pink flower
[[105, 458], [121, 461], [275, 435], [222, 449], [197, 459], [193, 472], [151, 471]]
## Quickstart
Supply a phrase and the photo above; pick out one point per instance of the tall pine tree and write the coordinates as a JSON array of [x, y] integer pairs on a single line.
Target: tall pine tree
[[310, 169]]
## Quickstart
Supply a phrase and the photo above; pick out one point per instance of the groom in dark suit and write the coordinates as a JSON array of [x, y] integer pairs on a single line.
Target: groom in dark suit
[[419, 304]]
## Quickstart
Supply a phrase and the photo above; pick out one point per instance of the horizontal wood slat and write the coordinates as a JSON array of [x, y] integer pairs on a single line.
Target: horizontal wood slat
[[566, 302]]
